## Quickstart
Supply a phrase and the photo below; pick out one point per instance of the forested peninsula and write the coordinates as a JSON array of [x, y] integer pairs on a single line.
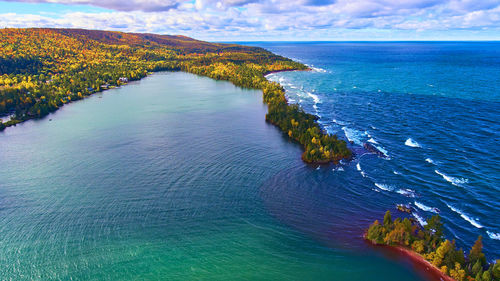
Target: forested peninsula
[[43, 69], [428, 244]]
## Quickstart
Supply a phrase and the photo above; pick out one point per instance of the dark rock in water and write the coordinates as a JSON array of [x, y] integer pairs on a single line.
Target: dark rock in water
[[403, 208], [371, 148]]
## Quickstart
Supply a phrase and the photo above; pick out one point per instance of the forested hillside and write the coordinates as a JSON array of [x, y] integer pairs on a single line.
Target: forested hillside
[[43, 69]]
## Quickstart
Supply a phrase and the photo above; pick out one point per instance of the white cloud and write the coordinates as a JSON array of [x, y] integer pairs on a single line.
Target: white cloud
[[268, 19]]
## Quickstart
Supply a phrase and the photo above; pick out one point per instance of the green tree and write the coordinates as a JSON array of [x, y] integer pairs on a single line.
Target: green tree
[[387, 219], [476, 252]]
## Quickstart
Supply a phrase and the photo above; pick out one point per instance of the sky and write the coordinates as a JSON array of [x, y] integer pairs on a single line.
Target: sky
[[268, 20]]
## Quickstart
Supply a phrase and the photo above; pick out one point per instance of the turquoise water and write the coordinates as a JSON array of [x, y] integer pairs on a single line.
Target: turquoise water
[[433, 108], [168, 178]]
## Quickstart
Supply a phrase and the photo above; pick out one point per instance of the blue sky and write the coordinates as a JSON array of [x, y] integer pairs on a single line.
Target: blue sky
[[268, 20]]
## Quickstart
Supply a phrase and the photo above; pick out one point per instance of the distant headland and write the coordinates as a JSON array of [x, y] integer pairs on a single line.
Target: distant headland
[[42, 69]]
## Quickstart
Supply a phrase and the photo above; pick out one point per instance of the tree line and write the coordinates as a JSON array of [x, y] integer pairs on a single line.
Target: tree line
[[43, 69], [430, 243]]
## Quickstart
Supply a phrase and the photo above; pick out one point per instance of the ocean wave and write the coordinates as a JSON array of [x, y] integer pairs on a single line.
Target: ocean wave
[[363, 174], [452, 180], [406, 192], [426, 208], [493, 235], [338, 122], [314, 97], [420, 220], [412, 143], [372, 141], [385, 187], [396, 172], [430, 161], [465, 217], [317, 69], [353, 135], [338, 169], [384, 151]]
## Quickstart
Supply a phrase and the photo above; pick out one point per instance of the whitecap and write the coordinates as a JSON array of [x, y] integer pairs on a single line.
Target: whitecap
[[385, 187], [317, 69], [354, 136], [373, 127], [426, 208], [412, 143], [452, 180], [493, 235], [420, 220], [338, 122], [384, 151], [430, 161], [363, 174], [465, 217], [396, 172], [314, 97], [406, 192], [372, 141], [358, 167], [338, 169]]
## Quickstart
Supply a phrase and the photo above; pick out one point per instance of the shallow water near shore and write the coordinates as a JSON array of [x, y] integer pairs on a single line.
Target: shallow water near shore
[[176, 177]]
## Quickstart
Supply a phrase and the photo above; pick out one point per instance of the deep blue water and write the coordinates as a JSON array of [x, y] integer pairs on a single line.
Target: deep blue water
[[432, 107]]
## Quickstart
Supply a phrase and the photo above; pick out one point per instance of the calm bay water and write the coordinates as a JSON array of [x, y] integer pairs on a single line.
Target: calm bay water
[[178, 177], [432, 107]]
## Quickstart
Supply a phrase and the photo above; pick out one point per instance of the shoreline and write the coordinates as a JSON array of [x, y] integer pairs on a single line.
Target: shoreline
[[101, 91], [417, 261]]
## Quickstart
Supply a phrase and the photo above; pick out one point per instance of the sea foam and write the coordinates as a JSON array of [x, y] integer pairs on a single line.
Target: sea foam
[[353, 135], [314, 97], [493, 235], [406, 192], [452, 180], [338, 122], [385, 187], [412, 143], [465, 217], [317, 69], [426, 208], [430, 161], [420, 220], [338, 169]]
